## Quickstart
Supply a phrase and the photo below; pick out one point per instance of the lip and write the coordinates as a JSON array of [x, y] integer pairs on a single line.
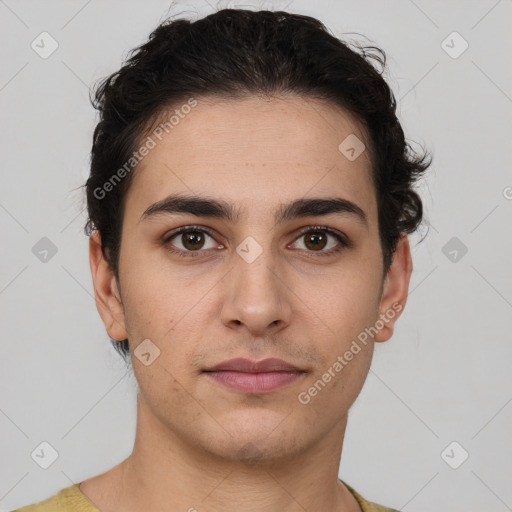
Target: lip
[[249, 376], [240, 364]]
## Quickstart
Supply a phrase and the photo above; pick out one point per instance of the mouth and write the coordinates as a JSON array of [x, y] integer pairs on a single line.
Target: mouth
[[248, 376]]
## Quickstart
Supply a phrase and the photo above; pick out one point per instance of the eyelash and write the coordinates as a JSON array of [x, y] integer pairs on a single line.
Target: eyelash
[[343, 241]]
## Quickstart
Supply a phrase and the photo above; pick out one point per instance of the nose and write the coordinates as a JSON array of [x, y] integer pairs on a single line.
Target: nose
[[256, 297]]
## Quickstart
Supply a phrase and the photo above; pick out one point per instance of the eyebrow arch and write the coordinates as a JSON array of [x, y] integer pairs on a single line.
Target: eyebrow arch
[[215, 208]]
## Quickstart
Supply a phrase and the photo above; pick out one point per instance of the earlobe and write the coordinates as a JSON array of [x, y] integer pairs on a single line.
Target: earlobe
[[106, 292], [395, 289]]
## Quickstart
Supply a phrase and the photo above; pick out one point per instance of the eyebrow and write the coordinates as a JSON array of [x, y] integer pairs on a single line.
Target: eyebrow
[[215, 208]]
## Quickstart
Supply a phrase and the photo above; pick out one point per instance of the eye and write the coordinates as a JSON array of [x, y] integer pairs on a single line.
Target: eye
[[190, 239], [321, 239], [194, 239]]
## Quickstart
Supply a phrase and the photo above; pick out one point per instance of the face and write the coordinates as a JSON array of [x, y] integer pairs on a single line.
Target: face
[[248, 276]]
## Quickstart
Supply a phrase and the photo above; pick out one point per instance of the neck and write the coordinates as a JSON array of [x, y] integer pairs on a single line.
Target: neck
[[165, 473]]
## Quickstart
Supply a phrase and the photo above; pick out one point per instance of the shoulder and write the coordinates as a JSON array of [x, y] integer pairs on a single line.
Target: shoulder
[[368, 506], [69, 499]]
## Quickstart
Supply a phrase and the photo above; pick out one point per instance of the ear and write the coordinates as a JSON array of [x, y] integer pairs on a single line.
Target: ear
[[106, 292], [395, 289]]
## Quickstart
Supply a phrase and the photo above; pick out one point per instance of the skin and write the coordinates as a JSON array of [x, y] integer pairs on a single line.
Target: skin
[[199, 444]]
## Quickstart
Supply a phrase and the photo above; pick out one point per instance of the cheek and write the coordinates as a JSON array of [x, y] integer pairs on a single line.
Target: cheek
[[170, 310], [347, 309], [351, 304], [155, 298]]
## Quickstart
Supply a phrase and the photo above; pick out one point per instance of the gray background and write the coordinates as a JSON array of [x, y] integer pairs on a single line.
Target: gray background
[[444, 376]]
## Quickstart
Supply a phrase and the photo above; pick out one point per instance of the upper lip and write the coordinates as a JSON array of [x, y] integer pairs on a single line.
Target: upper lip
[[247, 366]]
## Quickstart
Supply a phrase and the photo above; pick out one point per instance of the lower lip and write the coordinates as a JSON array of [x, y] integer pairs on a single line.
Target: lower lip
[[255, 382]]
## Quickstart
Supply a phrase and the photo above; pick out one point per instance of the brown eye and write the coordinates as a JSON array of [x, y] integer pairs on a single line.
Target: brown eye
[[321, 240], [315, 241], [192, 240]]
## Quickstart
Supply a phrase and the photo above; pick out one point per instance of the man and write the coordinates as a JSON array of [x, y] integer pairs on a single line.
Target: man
[[249, 202]]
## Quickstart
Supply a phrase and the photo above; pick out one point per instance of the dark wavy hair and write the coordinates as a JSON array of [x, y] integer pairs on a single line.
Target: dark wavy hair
[[231, 54]]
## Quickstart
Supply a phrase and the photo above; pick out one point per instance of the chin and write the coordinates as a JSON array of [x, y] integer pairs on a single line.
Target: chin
[[259, 443], [255, 452]]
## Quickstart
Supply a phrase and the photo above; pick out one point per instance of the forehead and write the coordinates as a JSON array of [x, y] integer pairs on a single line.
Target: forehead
[[253, 151]]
